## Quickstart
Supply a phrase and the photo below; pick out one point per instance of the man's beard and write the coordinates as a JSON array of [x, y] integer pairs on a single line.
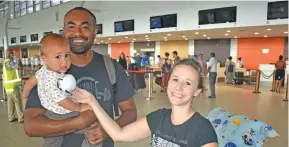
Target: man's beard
[[79, 48]]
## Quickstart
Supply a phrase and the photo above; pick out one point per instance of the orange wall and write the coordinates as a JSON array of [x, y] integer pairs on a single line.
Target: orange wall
[[116, 48], [250, 49], [182, 47], [17, 52]]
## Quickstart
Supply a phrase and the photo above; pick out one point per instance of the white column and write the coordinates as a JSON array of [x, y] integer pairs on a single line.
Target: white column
[[234, 49], [109, 49], [191, 47], [131, 49], [158, 49]]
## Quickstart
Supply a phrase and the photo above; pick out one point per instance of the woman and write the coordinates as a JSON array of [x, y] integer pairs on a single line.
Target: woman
[[122, 60], [178, 126], [280, 73], [229, 70]]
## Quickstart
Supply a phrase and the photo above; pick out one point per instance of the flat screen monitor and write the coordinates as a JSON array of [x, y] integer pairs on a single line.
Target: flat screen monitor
[[206, 17], [277, 10], [13, 40], [99, 27], [169, 21], [34, 37], [155, 22], [128, 25], [226, 15], [22, 39], [118, 27]]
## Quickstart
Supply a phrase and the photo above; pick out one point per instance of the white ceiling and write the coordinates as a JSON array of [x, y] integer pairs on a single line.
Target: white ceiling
[[240, 32]]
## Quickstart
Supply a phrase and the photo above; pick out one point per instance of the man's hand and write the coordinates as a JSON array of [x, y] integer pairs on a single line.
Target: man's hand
[[96, 134]]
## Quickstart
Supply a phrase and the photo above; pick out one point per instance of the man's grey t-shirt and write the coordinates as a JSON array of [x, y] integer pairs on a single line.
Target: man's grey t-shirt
[[195, 132], [94, 78]]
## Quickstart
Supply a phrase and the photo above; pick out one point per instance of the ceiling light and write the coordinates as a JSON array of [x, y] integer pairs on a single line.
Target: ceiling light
[[265, 36], [285, 32], [268, 29], [166, 40], [208, 37], [148, 40], [184, 36], [235, 37], [125, 37], [97, 42], [101, 41], [165, 37], [256, 33], [205, 35], [118, 42], [169, 34], [146, 36], [228, 31], [109, 38], [226, 34], [106, 43], [134, 39], [196, 33]]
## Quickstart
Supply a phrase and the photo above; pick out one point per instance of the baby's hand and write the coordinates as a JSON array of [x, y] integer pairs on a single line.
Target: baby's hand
[[83, 96], [84, 107]]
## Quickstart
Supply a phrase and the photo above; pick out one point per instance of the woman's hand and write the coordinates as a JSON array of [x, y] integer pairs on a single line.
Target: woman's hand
[[83, 96]]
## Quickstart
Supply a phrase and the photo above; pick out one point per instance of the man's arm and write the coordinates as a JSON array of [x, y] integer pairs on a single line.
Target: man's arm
[[128, 112], [32, 82], [37, 125]]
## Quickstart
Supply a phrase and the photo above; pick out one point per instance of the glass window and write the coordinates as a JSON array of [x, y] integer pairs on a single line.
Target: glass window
[[23, 12], [37, 7], [30, 10], [55, 2], [23, 5], [17, 13], [29, 3], [45, 4], [66, 1]]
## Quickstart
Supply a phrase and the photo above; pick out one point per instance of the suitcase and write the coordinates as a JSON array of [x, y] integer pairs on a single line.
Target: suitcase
[[239, 78]]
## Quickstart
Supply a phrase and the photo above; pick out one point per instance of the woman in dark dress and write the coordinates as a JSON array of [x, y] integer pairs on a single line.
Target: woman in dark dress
[[180, 126], [122, 60]]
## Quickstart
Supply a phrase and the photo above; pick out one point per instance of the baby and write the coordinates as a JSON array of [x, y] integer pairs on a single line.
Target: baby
[[55, 52]]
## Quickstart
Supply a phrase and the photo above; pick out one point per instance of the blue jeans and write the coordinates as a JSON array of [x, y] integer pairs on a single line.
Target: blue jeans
[[212, 82]]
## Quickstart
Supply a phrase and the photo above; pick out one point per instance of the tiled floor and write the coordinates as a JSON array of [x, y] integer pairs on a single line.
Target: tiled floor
[[266, 106]]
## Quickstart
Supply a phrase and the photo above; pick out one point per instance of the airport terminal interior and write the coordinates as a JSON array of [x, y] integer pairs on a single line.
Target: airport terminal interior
[[247, 37]]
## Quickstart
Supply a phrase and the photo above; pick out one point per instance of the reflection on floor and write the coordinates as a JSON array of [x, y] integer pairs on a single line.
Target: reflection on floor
[[266, 106]]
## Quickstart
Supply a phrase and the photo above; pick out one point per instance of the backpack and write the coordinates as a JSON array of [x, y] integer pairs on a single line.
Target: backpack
[[110, 68], [166, 67], [231, 67]]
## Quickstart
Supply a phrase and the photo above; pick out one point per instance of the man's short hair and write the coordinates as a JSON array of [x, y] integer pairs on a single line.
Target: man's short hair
[[82, 9], [213, 54], [175, 52]]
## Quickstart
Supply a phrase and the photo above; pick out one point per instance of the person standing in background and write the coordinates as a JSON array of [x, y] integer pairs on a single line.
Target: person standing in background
[[166, 68], [176, 57], [122, 60], [212, 68], [203, 65], [280, 74], [12, 82], [229, 70], [240, 63], [158, 61], [137, 60]]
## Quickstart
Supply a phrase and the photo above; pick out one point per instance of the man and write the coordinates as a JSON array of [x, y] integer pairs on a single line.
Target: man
[[12, 81], [89, 70], [212, 68], [176, 57], [203, 64]]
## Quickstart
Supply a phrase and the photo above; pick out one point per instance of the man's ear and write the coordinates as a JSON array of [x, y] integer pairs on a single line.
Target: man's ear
[[95, 31]]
